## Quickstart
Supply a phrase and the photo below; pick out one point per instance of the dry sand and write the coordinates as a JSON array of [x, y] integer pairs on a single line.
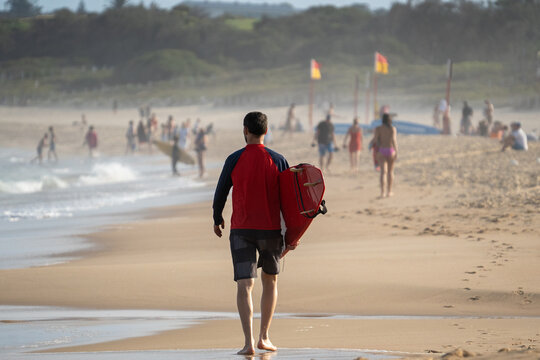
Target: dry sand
[[459, 238]]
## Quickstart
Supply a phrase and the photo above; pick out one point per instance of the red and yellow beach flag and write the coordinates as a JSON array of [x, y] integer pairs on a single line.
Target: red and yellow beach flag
[[315, 70], [381, 64]]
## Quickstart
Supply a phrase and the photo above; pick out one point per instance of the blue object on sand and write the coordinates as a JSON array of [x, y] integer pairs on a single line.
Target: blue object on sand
[[402, 127], [341, 128]]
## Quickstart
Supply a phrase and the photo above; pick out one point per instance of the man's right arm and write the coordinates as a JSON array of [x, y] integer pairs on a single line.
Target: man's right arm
[[222, 190]]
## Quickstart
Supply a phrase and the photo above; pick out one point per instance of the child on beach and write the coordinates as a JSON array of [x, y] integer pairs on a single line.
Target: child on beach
[[41, 144]]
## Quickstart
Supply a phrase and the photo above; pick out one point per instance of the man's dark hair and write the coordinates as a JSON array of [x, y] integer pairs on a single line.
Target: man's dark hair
[[256, 122]]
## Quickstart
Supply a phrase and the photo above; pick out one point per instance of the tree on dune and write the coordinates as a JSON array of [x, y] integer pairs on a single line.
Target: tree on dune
[[81, 9], [22, 8], [118, 4]]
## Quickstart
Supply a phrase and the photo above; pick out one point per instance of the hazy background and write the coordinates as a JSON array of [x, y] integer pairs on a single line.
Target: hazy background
[[98, 5], [256, 53]]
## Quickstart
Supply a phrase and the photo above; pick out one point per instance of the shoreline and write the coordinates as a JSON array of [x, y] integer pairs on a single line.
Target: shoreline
[[140, 331], [380, 330], [451, 242]]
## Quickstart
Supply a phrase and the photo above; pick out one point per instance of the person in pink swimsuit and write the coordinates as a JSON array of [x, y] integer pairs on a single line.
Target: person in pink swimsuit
[[385, 138]]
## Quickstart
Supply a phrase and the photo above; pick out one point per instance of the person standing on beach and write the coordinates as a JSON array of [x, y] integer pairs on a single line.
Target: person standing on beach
[[385, 137], [289, 120], [489, 109], [142, 138], [200, 149], [324, 135], [447, 130], [91, 140], [255, 225], [175, 155], [130, 138], [52, 145], [41, 144], [170, 128], [184, 135], [355, 143], [466, 121]]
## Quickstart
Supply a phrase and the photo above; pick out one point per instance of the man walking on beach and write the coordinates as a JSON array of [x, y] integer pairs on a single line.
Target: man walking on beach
[[255, 225], [324, 135]]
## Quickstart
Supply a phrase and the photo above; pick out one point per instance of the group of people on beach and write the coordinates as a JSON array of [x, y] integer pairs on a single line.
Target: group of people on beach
[[183, 137], [182, 141], [512, 136], [383, 144], [47, 140]]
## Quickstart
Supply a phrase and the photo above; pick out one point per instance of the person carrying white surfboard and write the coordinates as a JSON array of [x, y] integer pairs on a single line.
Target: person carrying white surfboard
[[253, 172]]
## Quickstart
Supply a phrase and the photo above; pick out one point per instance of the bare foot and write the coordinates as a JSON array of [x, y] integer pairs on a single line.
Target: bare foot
[[266, 345], [390, 194], [247, 350]]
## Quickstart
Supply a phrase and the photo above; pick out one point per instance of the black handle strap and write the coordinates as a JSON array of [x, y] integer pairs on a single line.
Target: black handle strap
[[322, 210]]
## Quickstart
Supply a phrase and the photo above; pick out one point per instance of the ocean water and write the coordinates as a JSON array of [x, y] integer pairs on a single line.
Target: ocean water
[[26, 329], [44, 207]]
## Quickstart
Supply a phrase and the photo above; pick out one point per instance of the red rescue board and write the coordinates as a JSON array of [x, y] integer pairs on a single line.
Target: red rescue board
[[301, 190]]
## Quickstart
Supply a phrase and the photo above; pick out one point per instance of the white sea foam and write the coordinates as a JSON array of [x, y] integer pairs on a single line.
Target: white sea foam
[[52, 182], [55, 200], [38, 213], [19, 187], [17, 160], [108, 173], [46, 182]]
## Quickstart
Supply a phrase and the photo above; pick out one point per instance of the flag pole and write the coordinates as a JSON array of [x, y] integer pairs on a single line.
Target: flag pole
[[448, 80], [310, 116], [356, 85], [375, 105], [446, 115], [368, 88]]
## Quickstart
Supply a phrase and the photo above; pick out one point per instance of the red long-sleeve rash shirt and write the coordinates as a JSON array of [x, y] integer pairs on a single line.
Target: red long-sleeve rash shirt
[[253, 173]]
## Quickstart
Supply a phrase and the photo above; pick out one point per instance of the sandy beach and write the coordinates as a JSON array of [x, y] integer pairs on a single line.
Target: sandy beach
[[450, 261]]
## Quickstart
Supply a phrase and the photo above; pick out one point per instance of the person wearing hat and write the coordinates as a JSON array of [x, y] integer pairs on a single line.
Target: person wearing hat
[[517, 139]]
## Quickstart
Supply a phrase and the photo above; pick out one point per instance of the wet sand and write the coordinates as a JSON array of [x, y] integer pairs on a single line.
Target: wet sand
[[459, 238]]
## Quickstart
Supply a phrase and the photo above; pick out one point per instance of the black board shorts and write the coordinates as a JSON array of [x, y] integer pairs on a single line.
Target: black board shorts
[[245, 243]]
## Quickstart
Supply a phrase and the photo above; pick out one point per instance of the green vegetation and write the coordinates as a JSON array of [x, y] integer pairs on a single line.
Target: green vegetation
[[22, 8], [245, 24], [182, 56], [163, 65]]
